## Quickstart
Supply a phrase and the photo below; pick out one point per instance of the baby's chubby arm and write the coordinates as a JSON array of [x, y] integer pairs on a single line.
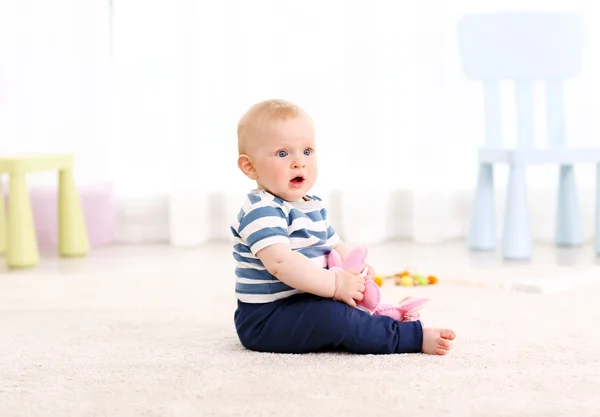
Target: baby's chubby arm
[[297, 271]]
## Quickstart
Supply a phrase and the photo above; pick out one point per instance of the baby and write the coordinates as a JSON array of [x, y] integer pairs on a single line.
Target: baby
[[288, 300]]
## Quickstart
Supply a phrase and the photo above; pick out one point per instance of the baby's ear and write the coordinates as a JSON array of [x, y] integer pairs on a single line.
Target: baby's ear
[[245, 165]]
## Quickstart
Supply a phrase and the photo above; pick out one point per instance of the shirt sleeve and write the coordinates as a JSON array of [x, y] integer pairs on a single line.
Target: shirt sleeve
[[262, 226]]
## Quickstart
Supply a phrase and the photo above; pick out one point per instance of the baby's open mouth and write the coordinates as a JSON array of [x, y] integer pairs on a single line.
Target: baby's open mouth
[[297, 180]]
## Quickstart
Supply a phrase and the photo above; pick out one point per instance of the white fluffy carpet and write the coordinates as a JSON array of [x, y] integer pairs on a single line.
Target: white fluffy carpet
[[159, 344]]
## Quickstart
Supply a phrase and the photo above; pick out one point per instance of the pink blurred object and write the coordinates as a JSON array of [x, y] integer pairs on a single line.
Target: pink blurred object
[[355, 262], [407, 310], [99, 210]]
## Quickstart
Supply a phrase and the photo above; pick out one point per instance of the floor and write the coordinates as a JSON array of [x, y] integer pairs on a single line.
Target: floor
[[147, 331], [450, 260]]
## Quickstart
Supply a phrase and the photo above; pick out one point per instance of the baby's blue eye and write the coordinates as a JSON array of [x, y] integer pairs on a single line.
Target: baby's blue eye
[[282, 154], [307, 152]]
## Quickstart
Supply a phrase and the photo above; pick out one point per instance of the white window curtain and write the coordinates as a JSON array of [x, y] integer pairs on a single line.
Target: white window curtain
[[147, 95]]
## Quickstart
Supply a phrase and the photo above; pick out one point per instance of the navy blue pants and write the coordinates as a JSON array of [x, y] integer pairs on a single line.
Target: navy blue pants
[[307, 323]]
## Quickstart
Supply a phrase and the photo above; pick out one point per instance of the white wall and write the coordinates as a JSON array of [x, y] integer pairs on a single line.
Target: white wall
[[381, 78]]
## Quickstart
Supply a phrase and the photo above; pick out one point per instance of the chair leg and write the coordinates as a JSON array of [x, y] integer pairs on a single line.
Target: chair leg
[[2, 220], [568, 221], [598, 210], [73, 240], [516, 239], [482, 230], [22, 250]]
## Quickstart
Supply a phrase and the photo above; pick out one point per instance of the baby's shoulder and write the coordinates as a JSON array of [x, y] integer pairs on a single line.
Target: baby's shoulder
[[257, 199], [264, 201], [314, 198]]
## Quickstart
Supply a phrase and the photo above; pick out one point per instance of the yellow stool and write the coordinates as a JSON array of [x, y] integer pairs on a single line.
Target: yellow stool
[[17, 231]]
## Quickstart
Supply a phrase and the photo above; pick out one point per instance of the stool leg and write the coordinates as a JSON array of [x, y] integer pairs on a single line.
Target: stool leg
[[598, 210], [516, 239], [482, 230], [2, 220], [22, 250], [73, 240], [568, 221]]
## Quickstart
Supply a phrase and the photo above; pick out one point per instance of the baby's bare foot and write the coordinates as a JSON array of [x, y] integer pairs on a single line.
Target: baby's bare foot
[[437, 341]]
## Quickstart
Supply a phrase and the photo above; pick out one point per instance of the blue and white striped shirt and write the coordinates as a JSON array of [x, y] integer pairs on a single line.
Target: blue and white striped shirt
[[266, 220]]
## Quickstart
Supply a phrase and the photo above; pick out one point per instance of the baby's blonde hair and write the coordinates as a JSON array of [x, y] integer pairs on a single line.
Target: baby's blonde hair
[[261, 113]]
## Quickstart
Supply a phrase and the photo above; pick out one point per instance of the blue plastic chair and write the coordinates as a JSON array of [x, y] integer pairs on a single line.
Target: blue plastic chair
[[524, 47]]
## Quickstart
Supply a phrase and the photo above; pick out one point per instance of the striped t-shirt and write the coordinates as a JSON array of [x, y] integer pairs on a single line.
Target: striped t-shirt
[[266, 220]]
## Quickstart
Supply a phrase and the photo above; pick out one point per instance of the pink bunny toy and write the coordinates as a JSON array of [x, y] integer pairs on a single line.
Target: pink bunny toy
[[371, 302]]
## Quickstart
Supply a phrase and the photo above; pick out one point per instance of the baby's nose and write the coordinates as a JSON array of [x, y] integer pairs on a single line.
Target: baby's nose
[[298, 164]]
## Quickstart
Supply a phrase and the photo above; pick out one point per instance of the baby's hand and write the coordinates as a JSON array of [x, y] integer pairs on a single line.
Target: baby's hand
[[370, 273], [348, 287]]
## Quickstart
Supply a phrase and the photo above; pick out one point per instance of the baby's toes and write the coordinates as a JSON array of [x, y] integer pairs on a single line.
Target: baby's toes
[[441, 351], [442, 346], [448, 334]]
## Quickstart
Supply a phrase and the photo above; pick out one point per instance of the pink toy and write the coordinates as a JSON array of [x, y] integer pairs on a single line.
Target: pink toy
[[371, 302]]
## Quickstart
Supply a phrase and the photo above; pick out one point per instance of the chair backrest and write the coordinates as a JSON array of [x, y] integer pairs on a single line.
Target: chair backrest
[[522, 47]]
